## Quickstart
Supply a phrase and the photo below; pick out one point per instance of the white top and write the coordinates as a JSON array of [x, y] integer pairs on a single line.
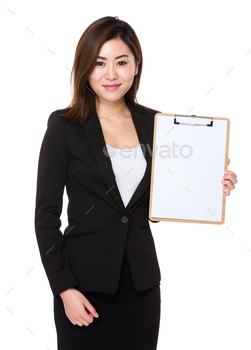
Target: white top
[[129, 167]]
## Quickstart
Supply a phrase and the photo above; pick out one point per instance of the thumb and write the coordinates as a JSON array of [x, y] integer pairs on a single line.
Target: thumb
[[91, 309]]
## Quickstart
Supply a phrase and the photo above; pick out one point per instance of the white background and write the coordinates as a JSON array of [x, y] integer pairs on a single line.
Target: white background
[[197, 60]]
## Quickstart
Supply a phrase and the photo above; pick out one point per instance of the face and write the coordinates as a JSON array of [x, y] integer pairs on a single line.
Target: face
[[114, 71]]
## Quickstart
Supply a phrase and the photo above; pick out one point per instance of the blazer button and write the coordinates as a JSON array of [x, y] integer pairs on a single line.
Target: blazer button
[[124, 219]]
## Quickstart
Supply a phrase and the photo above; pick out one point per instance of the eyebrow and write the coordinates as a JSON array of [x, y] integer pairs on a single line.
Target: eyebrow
[[104, 58]]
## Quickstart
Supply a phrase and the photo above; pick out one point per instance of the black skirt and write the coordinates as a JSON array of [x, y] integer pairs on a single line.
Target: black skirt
[[128, 320]]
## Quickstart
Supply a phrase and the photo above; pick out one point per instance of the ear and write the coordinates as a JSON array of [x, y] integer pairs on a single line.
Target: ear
[[137, 67]]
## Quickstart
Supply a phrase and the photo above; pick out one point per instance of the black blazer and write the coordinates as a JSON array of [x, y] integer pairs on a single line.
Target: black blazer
[[88, 256]]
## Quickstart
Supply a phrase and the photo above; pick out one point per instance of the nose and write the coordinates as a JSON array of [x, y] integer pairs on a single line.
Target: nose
[[111, 72]]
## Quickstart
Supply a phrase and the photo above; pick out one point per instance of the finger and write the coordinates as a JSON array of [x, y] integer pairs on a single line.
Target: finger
[[90, 308], [79, 320], [83, 315], [228, 161], [84, 322], [231, 178], [229, 184], [86, 317], [226, 190], [232, 174], [229, 172], [74, 321]]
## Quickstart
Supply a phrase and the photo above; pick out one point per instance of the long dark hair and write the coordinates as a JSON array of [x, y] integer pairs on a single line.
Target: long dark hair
[[83, 106]]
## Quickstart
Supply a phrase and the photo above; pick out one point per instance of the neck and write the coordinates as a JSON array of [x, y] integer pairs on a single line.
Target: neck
[[112, 110]]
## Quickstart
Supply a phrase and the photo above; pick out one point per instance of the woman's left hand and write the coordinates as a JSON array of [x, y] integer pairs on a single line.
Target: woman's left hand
[[229, 179]]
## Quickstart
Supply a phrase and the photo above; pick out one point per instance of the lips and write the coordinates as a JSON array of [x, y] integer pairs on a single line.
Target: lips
[[111, 86]]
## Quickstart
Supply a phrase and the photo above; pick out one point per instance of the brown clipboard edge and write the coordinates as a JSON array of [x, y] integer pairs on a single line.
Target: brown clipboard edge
[[225, 168]]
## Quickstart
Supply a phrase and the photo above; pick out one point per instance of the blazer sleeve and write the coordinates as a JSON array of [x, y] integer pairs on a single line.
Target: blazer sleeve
[[152, 122], [53, 163]]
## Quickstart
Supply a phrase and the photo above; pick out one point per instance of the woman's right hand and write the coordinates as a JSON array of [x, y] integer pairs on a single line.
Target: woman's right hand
[[74, 304]]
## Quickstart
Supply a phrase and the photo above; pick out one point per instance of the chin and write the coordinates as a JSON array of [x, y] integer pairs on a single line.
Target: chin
[[112, 97]]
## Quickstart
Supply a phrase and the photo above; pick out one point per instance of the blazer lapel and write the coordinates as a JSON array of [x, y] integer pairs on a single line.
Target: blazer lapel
[[96, 138]]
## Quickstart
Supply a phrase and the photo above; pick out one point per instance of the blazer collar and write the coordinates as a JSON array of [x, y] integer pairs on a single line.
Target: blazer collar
[[96, 139]]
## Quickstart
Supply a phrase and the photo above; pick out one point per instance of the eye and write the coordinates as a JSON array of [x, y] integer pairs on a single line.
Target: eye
[[97, 63], [122, 62]]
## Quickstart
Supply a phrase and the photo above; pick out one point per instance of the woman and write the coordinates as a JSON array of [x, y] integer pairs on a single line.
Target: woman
[[104, 270]]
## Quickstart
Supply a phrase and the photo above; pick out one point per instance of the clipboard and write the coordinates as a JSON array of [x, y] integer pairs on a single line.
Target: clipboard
[[190, 154]]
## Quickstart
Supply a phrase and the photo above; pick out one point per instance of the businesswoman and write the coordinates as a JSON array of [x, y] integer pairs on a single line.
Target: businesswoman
[[103, 271]]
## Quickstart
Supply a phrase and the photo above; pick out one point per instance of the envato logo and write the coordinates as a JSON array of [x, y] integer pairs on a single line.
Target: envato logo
[[165, 150]]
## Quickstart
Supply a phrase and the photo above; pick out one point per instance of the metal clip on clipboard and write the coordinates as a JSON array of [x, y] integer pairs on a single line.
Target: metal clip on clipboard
[[190, 117]]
